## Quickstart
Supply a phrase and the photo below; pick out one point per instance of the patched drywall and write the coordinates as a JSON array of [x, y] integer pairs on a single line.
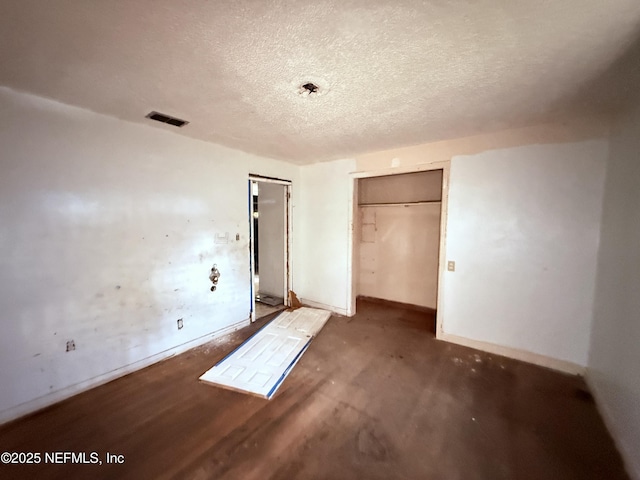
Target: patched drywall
[[523, 228], [108, 232], [614, 356]]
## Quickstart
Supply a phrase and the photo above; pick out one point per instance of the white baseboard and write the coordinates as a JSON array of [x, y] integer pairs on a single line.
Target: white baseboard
[[331, 308], [54, 397], [525, 356], [629, 455]]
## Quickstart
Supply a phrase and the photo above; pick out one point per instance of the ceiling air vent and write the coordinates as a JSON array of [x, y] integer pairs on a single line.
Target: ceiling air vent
[[161, 117]]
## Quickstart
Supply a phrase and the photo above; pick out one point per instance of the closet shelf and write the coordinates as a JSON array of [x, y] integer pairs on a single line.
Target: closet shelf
[[428, 202]]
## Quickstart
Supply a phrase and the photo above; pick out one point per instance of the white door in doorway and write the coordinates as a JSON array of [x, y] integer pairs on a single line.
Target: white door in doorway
[[271, 239], [270, 227]]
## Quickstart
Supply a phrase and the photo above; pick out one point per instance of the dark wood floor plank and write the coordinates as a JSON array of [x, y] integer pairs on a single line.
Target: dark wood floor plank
[[375, 397]]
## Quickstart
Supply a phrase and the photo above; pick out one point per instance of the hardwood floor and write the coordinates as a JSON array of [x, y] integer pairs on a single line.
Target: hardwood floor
[[263, 310], [374, 397]]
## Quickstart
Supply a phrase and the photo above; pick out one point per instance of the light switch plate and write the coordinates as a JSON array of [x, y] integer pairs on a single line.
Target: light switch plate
[[451, 266]]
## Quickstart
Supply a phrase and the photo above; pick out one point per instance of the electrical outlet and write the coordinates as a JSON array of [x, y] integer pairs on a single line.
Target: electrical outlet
[[180, 324], [451, 266], [71, 345]]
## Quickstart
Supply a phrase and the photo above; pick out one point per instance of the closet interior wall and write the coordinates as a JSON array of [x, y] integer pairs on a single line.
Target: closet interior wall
[[399, 237]]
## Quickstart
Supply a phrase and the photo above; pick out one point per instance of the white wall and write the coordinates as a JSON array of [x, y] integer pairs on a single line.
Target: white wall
[[614, 357], [322, 227], [391, 161], [271, 236], [107, 231], [398, 253], [523, 229]]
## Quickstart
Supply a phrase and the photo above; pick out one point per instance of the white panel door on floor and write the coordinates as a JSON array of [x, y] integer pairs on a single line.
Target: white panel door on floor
[[304, 320], [260, 364]]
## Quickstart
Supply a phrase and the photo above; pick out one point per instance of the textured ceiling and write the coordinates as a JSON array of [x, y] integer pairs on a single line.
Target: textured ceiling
[[390, 73]]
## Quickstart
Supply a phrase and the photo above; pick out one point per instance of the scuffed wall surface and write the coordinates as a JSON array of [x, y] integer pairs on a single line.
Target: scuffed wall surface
[[108, 232]]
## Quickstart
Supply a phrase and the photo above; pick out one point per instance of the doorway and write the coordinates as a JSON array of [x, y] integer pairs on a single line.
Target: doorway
[[269, 244], [398, 239]]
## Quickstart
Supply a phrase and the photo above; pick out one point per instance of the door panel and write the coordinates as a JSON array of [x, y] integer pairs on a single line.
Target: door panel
[[271, 238]]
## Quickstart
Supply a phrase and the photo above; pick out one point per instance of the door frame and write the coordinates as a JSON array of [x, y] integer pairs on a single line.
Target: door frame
[[445, 166], [288, 228]]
